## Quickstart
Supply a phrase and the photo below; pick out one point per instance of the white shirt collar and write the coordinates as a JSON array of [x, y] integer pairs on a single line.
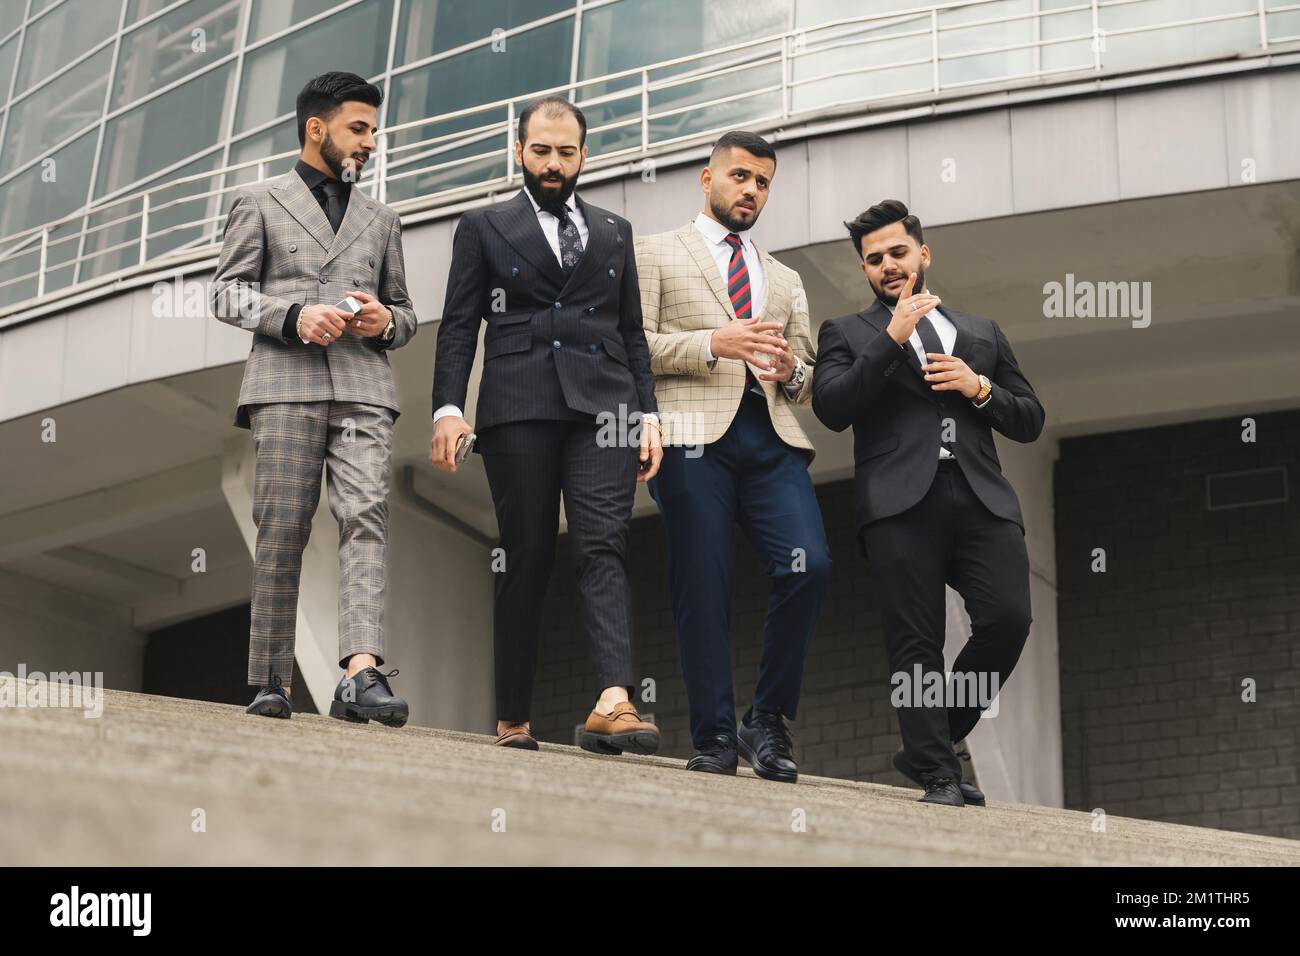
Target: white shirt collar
[[571, 203], [716, 232]]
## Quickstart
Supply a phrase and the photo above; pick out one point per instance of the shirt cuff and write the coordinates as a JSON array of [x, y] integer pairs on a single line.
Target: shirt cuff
[[708, 349], [447, 410], [987, 398], [290, 330]]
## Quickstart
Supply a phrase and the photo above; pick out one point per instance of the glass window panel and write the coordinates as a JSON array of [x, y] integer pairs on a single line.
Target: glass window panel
[[1172, 44], [176, 125], [11, 15], [277, 139], [635, 33], [7, 54], [355, 40], [849, 49], [535, 60], [163, 50], [272, 16], [56, 111], [137, 10], [426, 27], [42, 194], [63, 35], [1283, 26]]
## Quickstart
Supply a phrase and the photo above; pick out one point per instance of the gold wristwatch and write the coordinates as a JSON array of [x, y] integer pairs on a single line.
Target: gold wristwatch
[[985, 388]]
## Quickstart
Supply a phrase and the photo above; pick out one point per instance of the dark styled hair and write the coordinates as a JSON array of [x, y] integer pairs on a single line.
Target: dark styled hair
[[325, 94], [882, 214], [552, 106], [743, 139]]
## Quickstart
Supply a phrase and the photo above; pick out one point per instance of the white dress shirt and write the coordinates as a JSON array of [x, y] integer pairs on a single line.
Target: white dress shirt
[[947, 338]]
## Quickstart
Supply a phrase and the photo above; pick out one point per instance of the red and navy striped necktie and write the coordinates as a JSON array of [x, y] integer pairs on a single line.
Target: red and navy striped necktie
[[738, 289]]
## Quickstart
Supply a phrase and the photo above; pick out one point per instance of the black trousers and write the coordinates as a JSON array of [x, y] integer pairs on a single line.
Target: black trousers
[[948, 537], [529, 465]]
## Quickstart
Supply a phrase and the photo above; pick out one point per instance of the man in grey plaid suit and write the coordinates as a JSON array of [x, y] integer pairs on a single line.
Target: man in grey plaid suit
[[318, 389]]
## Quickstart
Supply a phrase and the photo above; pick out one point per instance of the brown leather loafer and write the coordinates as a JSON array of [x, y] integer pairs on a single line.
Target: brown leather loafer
[[517, 736], [622, 730]]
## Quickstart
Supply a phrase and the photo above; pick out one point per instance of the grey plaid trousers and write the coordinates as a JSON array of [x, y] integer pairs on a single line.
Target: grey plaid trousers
[[354, 443]]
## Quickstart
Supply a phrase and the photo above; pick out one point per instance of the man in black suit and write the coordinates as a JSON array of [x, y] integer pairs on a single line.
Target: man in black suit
[[566, 406], [924, 389]]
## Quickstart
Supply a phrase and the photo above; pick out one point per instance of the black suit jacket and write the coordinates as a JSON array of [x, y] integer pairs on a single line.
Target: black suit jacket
[[555, 347], [865, 379]]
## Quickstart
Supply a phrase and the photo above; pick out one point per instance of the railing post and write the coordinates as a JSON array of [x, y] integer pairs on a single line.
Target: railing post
[[785, 76], [1263, 26], [144, 229], [381, 170], [645, 110], [40, 272], [934, 47], [261, 170], [1096, 37], [510, 143]]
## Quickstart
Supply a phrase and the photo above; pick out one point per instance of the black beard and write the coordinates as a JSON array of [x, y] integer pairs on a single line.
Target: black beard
[[334, 157], [723, 215], [552, 202], [892, 300]]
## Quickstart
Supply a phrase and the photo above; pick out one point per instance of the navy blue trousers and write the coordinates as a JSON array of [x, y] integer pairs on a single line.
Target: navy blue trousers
[[751, 477]]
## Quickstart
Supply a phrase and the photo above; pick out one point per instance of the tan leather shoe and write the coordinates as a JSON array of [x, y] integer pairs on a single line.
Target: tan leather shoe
[[622, 730], [517, 736]]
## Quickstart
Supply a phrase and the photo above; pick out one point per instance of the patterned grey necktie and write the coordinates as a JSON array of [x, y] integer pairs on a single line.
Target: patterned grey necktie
[[570, 241]]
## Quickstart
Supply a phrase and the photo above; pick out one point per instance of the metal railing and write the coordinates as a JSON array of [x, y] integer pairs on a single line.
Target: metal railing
[[636, 113]]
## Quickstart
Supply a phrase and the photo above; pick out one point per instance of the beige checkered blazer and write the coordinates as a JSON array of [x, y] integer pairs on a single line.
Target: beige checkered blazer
[[683, 299], [279, 250]]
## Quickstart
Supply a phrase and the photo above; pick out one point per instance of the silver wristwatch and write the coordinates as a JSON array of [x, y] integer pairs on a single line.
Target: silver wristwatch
[[389, 332], [797, 378]]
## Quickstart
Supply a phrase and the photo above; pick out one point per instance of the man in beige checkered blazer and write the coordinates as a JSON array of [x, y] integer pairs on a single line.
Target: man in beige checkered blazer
[[727, 327], [318, 389]]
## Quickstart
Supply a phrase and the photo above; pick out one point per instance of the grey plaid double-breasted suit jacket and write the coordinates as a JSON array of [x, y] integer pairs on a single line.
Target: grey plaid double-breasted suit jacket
[[279, 250]]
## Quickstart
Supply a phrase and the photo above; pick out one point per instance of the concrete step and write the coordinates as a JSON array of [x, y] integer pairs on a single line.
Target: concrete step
[[125, 788]]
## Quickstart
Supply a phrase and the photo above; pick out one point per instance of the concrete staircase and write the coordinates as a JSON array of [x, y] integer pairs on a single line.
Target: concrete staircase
[[130, 787]]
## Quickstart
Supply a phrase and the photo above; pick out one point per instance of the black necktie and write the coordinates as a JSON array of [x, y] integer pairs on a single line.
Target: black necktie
[[333, 202], [570, 241], [931, 343]]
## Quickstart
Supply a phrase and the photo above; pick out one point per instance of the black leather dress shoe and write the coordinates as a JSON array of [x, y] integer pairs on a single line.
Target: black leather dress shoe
[[942, 790], [969, 792], [765, 742], [366, 696], [271, 701], [718, 755]]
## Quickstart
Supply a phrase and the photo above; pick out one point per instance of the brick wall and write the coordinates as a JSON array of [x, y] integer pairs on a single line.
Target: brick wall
[[1154, 650], [846, 727]]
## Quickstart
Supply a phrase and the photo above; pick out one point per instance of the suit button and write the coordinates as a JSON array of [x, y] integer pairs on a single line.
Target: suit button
[[324, 279], [293, 247], [557, 307], [592, 310], [611, 273], [514, 271], [555, 344], [594, 347], [370, 262]]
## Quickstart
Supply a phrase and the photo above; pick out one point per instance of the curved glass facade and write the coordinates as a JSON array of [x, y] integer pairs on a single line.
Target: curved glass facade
[[103, 98]]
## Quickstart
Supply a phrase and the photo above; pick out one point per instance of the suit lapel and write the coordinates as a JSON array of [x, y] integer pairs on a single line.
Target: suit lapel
[[964, 333], [776, 293], [518, 225], [699, 250], [361, 210], [601, 233], [292, 193]]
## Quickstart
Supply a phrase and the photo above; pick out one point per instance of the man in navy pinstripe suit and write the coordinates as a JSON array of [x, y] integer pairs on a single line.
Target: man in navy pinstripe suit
[[564, 354]]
